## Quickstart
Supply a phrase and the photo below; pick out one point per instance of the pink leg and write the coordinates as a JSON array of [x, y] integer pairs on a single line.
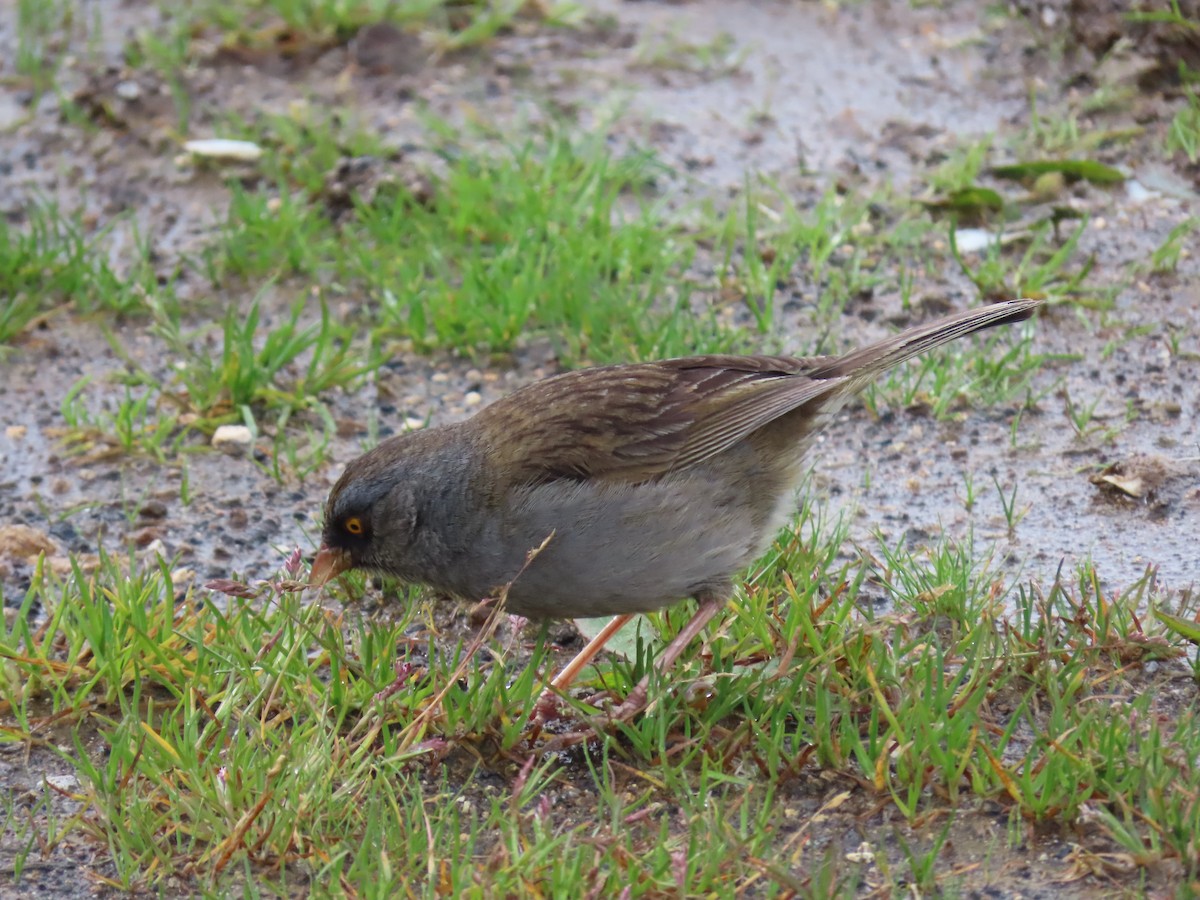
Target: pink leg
[[572, 669], [709, 606]]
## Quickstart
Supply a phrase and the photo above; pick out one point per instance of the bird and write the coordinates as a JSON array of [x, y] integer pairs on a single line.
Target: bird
[[639, 485]]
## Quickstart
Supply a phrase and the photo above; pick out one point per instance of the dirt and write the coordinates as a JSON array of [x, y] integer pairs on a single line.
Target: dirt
[[807, 94]]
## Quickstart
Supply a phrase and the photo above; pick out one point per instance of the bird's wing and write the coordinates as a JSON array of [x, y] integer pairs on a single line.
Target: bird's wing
[[634, 423]]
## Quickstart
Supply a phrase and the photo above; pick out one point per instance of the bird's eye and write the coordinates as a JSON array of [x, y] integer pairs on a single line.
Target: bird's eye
[[354, 525]]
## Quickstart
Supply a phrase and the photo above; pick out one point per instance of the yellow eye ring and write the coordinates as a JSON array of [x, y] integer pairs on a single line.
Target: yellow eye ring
[[354, 525]]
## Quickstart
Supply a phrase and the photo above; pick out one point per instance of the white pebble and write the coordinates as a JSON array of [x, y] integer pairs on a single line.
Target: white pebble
[[232, 439], [223, 148], [62, 782]]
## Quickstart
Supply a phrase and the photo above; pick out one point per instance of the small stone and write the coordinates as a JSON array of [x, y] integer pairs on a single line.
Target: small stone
[[224, 149], [472, 398], [347, 428], [180, 578], [64, 566], [61, 782], [232, 439], [153, 509], [128, 90], [146, 537], [154, 551], [15, 432], [24, 542]]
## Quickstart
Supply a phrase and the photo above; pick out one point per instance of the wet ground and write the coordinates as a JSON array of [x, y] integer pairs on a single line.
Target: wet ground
[[793, 89], [808, 94]]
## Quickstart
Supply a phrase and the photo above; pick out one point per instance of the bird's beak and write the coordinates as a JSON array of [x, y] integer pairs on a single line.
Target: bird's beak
[[330, 563]]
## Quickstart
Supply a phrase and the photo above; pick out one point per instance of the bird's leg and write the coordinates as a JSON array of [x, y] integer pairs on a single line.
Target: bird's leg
[[710, 605], [548, 701]]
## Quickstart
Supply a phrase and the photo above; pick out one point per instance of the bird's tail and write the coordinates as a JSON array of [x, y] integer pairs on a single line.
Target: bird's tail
[[863, 364]]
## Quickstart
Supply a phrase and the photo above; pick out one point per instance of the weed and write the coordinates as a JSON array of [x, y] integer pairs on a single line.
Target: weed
[[284, 368], [49, 261], [957, 378], [1165, 257], [1008, 502], [42, 28], [1040, 272], [1184, 133], [671, 52]]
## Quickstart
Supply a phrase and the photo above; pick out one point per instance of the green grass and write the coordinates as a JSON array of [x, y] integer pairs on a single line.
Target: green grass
[[961, 168], [43, 30], [1069, 130], [1165, 258], [134, 424], [267, 27], [270, 376], [284, 368], [1184, 133], [771, 247], [669, 51], [231, 743], [551, 237], [245, 733], [999, 370], [1043, 269], [459, 24], [49, 261]]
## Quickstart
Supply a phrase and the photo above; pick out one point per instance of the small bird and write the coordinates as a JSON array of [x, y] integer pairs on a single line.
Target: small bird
[[653, 482]]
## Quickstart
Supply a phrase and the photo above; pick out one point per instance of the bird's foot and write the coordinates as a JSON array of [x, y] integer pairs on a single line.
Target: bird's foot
[[549, 709], [633, 703]]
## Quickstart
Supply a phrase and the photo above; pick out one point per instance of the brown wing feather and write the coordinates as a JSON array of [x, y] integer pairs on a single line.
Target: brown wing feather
[[637, 422]]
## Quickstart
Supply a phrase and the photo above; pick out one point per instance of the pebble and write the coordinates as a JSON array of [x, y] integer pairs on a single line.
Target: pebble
[[154, 550], [180, 578], [232, 439], [153, 509], [62, 782], [23, 542], [146, 537], [224, 149], [64, 566], [128, 90]]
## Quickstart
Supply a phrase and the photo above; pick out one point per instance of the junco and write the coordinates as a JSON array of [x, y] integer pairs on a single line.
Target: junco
[[653, 481]]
